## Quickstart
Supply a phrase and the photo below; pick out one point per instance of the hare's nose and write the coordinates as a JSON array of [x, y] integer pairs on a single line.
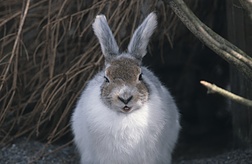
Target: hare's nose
[[125, 100]]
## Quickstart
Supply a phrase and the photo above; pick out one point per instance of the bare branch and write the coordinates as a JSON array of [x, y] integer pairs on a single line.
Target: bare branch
[[215, 89], [219, 45]]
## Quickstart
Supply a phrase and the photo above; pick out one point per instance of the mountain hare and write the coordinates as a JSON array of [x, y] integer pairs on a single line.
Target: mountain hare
[[125, 115]]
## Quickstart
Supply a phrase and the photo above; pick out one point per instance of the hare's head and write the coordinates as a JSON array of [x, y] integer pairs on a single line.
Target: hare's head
[[124, 88]]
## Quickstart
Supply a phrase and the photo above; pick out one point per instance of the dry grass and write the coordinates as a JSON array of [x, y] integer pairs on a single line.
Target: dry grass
[[48, 52]]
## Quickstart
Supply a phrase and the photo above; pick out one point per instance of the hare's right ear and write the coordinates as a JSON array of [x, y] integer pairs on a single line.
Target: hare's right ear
[[107, 41]]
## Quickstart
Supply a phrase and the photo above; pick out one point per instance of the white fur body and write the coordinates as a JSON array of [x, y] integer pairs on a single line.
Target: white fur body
[[145, 136]]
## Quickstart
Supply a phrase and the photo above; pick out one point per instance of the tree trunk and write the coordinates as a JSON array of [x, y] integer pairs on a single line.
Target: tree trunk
[[240, 34]]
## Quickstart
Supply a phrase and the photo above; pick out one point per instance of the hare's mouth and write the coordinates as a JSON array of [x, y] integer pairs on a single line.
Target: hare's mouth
[[126, 109]]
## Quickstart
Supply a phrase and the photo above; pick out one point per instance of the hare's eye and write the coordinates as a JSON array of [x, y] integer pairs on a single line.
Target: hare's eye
[[140, 78], [106, 79]]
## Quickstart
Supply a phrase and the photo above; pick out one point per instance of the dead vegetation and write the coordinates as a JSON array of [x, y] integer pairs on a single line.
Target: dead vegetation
[[48, 52]]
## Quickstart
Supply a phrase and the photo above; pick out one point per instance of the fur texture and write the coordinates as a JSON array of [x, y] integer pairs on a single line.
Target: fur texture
[[125, 115]]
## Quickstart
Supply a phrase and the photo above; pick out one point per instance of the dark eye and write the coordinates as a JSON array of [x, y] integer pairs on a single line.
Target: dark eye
[[140, 78], [106, 79]]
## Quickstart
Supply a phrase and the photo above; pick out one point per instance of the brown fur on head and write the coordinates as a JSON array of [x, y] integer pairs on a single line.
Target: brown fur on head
[[124, 88]]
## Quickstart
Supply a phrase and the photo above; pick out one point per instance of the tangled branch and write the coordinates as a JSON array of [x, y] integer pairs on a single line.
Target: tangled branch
[[219, 45]]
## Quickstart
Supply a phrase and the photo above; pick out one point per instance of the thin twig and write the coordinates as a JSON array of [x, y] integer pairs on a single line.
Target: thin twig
[[215, 89], [16, 43]]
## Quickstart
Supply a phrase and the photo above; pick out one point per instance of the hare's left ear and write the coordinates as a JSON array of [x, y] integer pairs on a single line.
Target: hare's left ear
[[107, 41], [138, 44]]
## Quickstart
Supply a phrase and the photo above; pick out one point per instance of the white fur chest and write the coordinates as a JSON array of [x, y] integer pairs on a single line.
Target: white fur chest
[[124, 138]]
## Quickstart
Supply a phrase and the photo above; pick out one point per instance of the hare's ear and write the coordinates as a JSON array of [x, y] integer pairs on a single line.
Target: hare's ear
[[107, 41], [138, 44]]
